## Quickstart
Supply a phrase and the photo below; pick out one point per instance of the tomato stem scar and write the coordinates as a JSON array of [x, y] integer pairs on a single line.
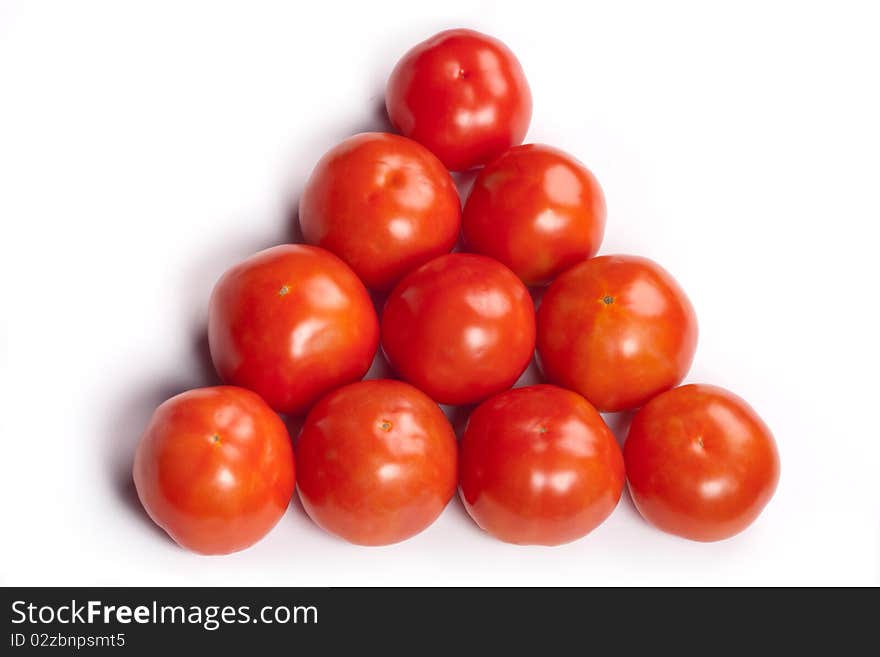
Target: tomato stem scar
[[608, 300], [284, 290], [386, 425]]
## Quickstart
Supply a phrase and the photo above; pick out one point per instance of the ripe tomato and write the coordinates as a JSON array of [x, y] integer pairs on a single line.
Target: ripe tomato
[[377, 462], [463, 95], [291, 323], [700, 462], [382, 203], [460, 328], [215, 469], [539, 466], [618, 330], [537, 210]]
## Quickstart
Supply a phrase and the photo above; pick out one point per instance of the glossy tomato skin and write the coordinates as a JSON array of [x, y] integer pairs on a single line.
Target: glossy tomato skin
[[617, 329], [700, 463], [537, 210], [377, 462], [215, 469], [460, 328], [384, 204], [539, 466], [291, 323], [463, 95]]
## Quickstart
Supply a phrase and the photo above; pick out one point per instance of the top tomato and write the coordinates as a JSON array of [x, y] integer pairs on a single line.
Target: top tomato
[[537, 210], [382, 203], [463, 95]]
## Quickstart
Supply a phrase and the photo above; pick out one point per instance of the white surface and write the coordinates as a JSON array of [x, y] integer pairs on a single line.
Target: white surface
[[145, 147]]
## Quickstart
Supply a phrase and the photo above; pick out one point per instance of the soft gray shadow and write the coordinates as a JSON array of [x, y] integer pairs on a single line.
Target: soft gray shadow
[[458, 417], [619, 424], [464, 181], [207, 375], [380, 369], [537, 293], [456, 507]]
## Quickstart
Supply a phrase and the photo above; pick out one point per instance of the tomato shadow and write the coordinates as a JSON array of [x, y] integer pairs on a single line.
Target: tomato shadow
[[293, 228], [537, 293], [619, 424], [380, 369], [202, 351], [627, 501], [294, 424], [464, 181], [296, 508], [458, 417], [456, 508], [127, 493]]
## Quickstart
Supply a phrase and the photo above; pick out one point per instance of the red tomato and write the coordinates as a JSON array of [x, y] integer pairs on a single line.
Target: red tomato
[[460, 328], [291, 323], [382, 203], [700, 462], [215, 469], [618, 330], [539, 466], [377, 462], [463, 95], [537, 210]]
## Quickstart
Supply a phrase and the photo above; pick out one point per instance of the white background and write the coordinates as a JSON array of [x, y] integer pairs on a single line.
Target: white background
[[145, 147]]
